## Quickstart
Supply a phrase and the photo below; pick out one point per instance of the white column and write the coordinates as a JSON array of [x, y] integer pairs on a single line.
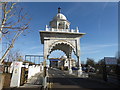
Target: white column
[[78, 57], [69, 58], [70, 68], [45, 63], [79, 67], [44, 74]]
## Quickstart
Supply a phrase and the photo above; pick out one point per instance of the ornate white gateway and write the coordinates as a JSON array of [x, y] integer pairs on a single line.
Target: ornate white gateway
[[59, 36]]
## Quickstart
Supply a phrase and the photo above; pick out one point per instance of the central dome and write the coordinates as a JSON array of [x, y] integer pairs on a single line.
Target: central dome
[[59, 22], [60, 16]]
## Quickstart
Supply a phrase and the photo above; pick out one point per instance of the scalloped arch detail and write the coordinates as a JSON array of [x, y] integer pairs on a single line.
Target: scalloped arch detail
[[60, 42]]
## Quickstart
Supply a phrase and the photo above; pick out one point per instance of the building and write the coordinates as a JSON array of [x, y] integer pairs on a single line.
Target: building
[[64, 63], [59, 36], [54, 62]]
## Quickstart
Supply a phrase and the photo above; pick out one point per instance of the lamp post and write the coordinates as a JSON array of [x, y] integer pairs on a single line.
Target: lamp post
[[118, 69], [104, 71]]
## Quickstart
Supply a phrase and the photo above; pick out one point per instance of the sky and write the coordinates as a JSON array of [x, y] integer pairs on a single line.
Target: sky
[[99, 20]]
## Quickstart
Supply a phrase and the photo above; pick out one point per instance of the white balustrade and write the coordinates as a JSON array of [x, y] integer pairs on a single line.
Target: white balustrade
[[62, 30]]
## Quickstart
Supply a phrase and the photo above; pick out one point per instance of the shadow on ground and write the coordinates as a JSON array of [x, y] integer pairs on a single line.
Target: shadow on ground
[[79, 82]]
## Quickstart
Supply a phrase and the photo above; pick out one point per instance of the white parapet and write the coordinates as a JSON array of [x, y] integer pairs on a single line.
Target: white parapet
[[32, 70], [72, 30], [63, 30]]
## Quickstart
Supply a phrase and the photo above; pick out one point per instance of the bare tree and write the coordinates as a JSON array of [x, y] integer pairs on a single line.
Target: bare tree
[[14, 55], [14, 22], [90, 62]]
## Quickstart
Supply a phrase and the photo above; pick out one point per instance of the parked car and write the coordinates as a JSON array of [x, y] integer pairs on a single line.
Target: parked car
[[74, 68]]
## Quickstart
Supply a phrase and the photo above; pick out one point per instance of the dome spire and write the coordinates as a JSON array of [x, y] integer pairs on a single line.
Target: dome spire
[[59, 10]]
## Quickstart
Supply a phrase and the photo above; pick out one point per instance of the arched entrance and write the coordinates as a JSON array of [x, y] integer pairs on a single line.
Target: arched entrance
[[66, 42], [64, 46]]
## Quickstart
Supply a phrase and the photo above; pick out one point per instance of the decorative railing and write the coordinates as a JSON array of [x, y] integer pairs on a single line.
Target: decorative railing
[[62, 30]]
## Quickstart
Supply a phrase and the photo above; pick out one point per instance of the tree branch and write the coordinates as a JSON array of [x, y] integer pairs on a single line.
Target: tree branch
[[16, 27]]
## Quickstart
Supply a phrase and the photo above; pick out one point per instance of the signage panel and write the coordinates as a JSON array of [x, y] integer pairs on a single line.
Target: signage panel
[[110, 60]]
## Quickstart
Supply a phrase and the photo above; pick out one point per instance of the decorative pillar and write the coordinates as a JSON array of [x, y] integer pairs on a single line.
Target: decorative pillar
[[69, 59], [70, 68], [45, 64], [79, 67], [78, 57]]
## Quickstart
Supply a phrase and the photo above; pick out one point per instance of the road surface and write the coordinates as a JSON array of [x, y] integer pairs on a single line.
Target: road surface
[[59, 79]]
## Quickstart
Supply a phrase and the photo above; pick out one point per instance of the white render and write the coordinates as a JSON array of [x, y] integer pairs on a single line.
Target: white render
[[65, 62], [34, 69], [59, 36], [15, 80]]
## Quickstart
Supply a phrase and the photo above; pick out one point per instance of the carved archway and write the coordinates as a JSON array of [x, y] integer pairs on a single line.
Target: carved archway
[[62, 45]]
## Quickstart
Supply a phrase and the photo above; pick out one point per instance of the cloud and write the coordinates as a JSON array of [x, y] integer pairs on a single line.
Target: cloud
[[90, 52], [36, 53], [40, 47], [73, 8], [96, 48], [33, 53], [35, 47], [35, 50]]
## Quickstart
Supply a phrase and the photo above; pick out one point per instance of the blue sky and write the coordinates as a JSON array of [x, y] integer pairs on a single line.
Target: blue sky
[[99, 20]]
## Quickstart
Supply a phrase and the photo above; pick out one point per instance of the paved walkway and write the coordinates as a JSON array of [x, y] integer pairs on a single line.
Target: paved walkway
[[34, 81]]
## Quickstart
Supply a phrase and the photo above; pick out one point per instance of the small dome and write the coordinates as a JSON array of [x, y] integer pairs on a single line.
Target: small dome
[[60, 16]]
